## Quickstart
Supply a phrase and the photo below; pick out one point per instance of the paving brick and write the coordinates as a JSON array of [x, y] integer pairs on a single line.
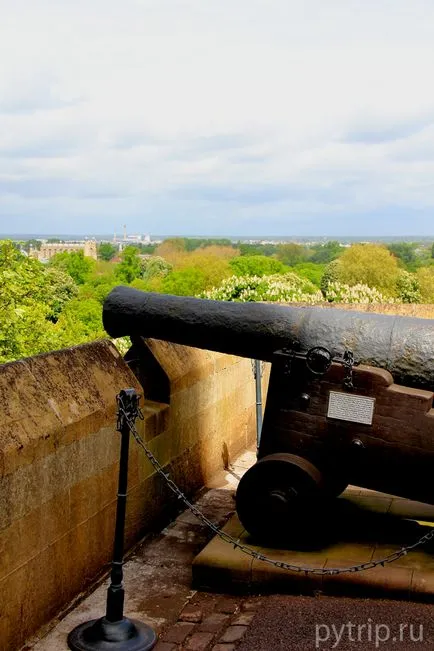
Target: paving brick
[[224, 647], [191, 614], [165, 646], [214, 623], [251, 604], [199, 642], [233, 634], [227, 605], [178, 632], [244, 619]]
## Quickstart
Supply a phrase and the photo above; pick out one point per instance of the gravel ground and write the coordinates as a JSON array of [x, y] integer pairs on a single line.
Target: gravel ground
[[286, 623]]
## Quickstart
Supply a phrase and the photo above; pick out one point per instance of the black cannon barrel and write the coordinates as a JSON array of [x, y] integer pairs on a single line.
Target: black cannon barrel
[[402, 345]]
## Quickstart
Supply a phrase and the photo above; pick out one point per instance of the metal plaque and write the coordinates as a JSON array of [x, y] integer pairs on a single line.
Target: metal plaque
[[347, 406]]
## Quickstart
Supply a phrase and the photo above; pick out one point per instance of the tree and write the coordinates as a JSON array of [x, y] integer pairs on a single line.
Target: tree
[[425, 276], [153, 266], [34, 244], [193, 243], [404, 251], [129, 268], [408, 287], [369, 264], [311, 271], [256, 249], [185, 282], [325, 253], [75, 264], [256, 265], [107, 251], [291, 253], [330, 275], [32, 297]]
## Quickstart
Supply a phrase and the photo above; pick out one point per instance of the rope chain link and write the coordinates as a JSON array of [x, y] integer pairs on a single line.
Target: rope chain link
[[130, 416]]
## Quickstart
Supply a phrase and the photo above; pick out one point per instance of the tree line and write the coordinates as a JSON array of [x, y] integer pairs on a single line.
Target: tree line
[[59, 303]]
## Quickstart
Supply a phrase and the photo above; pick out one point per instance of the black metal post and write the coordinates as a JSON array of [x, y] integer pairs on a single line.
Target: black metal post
[[116, 593], [114, 631], [258, 387]]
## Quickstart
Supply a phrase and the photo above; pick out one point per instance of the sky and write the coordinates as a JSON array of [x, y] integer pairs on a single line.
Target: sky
[[217, 117]]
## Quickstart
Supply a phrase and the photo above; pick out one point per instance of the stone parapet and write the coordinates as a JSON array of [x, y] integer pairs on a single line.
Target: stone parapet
[[59, 463]]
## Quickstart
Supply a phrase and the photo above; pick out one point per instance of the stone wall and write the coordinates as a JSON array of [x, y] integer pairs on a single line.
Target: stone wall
[[59, 463]]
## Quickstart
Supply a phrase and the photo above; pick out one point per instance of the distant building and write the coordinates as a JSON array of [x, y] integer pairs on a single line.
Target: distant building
[[47, 250]]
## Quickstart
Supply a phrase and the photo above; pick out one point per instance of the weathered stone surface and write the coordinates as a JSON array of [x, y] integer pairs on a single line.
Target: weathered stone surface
[[179, 632], [59, 464], [233, 634]]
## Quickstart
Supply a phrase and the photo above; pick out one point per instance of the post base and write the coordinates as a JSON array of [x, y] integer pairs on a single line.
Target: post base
[[102, 635]]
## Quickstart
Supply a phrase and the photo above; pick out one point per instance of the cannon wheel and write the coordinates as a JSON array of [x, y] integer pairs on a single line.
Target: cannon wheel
[[277, 494]]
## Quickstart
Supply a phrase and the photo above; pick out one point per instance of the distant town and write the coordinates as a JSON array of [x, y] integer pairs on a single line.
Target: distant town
[[44, 246]]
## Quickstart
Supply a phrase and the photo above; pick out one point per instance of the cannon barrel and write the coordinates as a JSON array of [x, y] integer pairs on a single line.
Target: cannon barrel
[[402, 345]]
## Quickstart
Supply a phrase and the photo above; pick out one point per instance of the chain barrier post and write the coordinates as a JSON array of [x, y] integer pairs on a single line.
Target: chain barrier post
[[114, 632]]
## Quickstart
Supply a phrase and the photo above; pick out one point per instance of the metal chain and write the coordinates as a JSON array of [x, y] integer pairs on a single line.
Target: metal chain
[[129, 418], [348, 363]]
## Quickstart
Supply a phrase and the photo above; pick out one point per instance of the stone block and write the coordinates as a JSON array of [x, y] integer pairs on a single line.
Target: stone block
[[199, 642], [178, 633], [214, 622], [233, 634], [191, 614]]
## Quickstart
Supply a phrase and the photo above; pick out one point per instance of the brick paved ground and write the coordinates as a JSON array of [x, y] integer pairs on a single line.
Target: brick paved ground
[[210, 622], [158, 584]]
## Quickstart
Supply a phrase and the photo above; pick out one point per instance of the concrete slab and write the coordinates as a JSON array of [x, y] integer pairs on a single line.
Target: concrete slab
[[364, 526]]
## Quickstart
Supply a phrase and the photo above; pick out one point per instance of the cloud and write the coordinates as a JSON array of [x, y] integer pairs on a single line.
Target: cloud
[[184, 115]]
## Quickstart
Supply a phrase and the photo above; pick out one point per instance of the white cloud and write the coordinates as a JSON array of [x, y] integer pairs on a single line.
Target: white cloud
[[140, 99]]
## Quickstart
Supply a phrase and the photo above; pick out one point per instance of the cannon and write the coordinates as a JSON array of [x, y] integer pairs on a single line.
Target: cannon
[[350, 396]]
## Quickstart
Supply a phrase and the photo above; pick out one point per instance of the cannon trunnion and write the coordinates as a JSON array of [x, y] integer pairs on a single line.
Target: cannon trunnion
[[326, 423]]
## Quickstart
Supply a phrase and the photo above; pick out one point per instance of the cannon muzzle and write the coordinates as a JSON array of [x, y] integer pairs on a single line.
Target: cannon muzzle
[[402, 345]]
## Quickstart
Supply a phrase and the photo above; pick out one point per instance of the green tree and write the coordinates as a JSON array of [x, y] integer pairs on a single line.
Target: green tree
[[193, 243], [330, 275], [75, 264], [82, 320], [256, 265], [34, 244], [256, 249], [369, 264], [404, 251], [185, 282], [325, 253], [310, 271], [155, 265], [59, 290], [292, 253], [425, 276], [130, 267], [31, 299], [408, 287], [107, 251]]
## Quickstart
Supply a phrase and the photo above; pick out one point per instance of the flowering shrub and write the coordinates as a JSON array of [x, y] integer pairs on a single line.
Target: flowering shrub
[[284, 288], [290, 288], [340, 293], [408, 287]]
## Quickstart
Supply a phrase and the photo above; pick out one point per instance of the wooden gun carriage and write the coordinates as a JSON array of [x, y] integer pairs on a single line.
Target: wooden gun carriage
[[327, 422]]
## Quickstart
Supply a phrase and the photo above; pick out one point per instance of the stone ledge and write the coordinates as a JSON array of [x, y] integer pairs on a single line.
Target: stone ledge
[[410, 577]]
